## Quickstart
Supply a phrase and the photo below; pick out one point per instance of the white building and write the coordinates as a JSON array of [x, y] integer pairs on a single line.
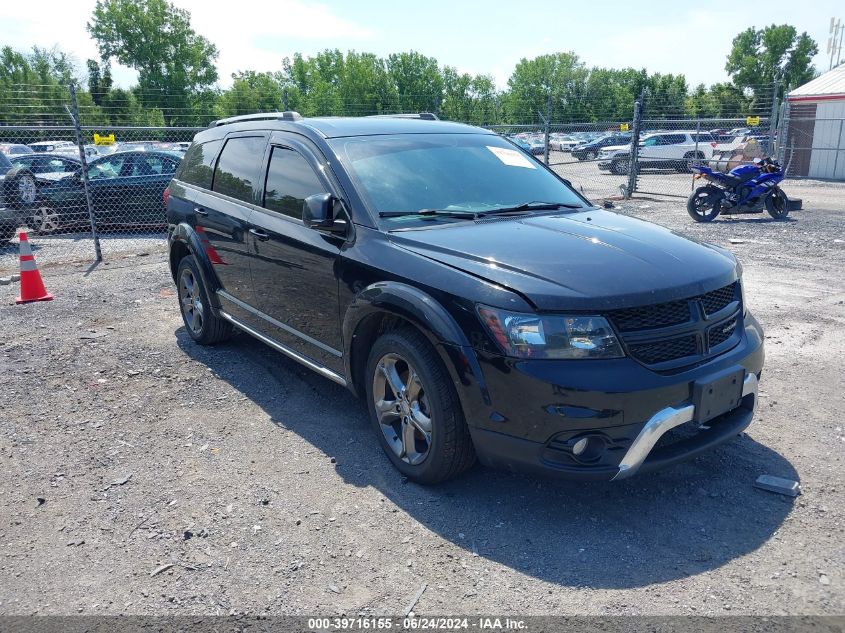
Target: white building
[[815, 141]]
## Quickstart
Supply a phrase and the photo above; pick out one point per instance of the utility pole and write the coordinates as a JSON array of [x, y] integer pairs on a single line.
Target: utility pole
[[834, 42], [773, 117]]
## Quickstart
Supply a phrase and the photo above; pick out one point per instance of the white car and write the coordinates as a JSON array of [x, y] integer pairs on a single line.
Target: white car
[[50, 146], [563, 142], [663, 150]]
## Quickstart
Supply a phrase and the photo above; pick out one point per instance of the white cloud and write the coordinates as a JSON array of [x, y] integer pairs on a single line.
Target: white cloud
[[251, 38]]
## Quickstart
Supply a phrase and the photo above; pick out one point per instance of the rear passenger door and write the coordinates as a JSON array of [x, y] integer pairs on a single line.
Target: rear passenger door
[[222, 215], [293, 266]]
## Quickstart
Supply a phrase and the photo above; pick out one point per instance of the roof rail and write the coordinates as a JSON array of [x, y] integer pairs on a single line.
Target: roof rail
[[426, 116], [288, 115]]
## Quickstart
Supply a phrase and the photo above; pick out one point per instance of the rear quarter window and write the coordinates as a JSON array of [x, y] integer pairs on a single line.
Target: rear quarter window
[[197, 167]]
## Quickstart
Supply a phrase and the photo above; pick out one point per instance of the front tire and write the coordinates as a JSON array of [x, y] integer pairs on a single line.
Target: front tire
[[205, 327], [705, 203], [689, 159], [590, 156], [46, 219], [415, 410], [777, 204]]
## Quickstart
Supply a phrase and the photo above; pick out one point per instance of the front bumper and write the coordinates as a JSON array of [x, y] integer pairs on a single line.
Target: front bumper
[[639, 419], [604, 163]]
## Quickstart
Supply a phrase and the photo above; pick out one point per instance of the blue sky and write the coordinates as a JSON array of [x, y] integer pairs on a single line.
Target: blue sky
[[476, 37]]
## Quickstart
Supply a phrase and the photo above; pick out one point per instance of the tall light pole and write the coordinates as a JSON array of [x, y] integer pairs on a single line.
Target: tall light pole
[[834, 42]]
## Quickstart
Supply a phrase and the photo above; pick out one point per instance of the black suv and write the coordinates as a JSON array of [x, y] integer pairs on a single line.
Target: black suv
[[472, 296]]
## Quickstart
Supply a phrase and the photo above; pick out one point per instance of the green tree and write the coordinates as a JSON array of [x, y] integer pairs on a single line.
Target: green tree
[[758, 56], [562, 76], [155, 38], [418, 82], [251, 92]]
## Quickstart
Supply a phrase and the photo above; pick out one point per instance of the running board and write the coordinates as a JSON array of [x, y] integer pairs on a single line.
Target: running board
[[287, 351]]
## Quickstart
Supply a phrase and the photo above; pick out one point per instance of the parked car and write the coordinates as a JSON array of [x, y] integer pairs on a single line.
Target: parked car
[[560, 338], [14, 149], [18, 193], [590, 150], [664, 150], [50, 146], [126, 189], [563, 143], [48, 167]]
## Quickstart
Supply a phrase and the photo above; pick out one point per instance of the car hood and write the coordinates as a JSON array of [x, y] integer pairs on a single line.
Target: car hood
[[589, 260]]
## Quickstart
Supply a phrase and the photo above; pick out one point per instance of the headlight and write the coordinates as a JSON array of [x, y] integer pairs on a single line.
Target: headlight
[[566, 337]]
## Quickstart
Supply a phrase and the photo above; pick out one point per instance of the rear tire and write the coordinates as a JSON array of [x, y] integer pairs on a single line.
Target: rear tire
[[777, 204], [205, 327], [705, 203], [689, 159], [620, 166], [19, 188], [415, 410]]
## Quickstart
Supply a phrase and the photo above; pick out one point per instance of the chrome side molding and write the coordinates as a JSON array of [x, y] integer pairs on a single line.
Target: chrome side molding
[[287, 351], [661, 422]]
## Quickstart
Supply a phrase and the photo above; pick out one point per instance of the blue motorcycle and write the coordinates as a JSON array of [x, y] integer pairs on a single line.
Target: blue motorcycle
[[744, 189]]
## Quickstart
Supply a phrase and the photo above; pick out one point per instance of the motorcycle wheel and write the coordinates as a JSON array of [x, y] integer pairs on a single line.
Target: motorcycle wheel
[[705, 203], [777, 204]]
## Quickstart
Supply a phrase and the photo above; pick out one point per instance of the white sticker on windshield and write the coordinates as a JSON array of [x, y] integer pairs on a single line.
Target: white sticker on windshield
[[512, 157]]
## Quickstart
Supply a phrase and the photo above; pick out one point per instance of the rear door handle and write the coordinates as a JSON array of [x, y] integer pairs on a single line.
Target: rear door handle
[[259, 235], [200, 211]]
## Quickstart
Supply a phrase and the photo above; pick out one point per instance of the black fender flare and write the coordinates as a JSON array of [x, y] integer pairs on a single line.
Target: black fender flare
[[429, 317], [186, 235]]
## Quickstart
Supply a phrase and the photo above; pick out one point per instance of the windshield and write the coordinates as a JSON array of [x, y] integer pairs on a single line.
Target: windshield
[[456, 172]]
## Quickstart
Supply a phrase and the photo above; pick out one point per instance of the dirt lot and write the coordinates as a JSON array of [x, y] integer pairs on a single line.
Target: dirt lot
[[125, 447]]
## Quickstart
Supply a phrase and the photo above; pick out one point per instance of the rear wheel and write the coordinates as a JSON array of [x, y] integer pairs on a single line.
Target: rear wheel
[[620, 166], [777, 204], [415, 409], [20, 189], [705, 203], [205, 327], [689, 159]]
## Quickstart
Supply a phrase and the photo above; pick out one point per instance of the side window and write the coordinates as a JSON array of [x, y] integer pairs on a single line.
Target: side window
[[675, 139], [198, 165], [107, 168], [239, 167], [290, 179]]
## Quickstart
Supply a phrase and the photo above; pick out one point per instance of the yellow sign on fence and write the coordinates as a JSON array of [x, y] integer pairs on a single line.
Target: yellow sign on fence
[[752, 120], [623, 127], [104, 140]]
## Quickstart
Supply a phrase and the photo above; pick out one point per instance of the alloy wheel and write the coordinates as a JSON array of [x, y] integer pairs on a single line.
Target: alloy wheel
[[27, 190], [402, 408], [190, 300], [46, 219]]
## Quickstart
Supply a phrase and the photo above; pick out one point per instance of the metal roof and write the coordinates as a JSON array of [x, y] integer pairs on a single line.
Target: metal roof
[[830, 84]]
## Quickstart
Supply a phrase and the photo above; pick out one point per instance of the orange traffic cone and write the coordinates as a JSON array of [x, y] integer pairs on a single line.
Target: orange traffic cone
[[213, 257], [32, 287]]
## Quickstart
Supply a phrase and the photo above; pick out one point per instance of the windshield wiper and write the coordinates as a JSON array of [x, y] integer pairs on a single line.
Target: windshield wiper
[[474, 215], [532, 206], [451, 213]]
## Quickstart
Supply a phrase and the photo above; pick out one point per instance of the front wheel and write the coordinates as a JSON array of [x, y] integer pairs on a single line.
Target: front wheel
[[590, 156], [705, 203], [46, 219], [415, 409], [777, 204]]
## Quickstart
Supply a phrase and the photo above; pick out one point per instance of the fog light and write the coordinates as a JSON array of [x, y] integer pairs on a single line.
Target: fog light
[[580, 446]]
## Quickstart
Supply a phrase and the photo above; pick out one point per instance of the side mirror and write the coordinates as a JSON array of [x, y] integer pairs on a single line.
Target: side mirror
[[317, 211]]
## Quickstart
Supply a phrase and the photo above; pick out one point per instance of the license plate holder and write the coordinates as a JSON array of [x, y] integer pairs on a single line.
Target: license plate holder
[[717, 394]]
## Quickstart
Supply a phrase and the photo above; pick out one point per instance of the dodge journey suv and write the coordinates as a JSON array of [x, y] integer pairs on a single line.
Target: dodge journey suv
[[478, 303]]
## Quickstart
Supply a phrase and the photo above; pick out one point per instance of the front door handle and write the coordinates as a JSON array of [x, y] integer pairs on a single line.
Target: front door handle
[[200, 211], [259, 235]]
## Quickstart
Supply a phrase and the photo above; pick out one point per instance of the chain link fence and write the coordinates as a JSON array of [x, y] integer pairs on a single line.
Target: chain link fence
[[99, 188]]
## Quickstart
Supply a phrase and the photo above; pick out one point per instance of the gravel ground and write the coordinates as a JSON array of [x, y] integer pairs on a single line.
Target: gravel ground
[[253, 486]]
